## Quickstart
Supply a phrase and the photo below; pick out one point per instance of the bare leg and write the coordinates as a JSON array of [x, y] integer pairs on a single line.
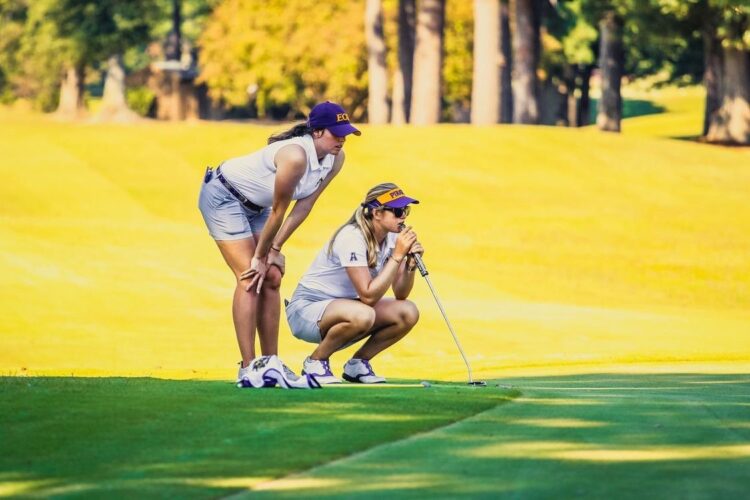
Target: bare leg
[[343, 321], [393, 320], [269, 310], [237, 254]]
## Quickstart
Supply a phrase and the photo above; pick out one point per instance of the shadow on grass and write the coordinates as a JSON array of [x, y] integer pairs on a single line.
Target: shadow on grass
[[190, 439], [630, 108], [598, 436]]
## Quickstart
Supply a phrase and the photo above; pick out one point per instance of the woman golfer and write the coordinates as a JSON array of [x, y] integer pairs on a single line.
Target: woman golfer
[[244, 202], [340, 298]]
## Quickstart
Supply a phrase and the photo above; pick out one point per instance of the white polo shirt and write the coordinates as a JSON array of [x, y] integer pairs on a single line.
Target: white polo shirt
[[254, 174], [327, 274]]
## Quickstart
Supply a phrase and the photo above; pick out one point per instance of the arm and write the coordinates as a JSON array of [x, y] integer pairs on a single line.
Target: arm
[[302, 207], [291, 162], [405, 279], [371, 290]]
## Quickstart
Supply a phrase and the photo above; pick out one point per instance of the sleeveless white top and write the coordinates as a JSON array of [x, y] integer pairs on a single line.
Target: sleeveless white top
[[254, 174]]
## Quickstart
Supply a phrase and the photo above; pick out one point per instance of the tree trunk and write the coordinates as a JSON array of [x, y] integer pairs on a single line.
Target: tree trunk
[[71, 93], [402, 82], [485, 90], [712, 71], [173, 45], [526, 95], [731, 122], [611, 62], [377, 100], [584, 103], [114, 105], [428, 62], [568, 106], [506, 49]]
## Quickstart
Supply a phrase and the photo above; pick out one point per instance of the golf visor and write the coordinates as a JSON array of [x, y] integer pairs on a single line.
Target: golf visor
[[395, 198]]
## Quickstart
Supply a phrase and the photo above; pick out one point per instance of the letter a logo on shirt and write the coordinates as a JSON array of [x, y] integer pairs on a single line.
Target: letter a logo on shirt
[[353, 257]]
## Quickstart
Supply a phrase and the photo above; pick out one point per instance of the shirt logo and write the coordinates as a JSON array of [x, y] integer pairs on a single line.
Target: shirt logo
[[353, 257], [342, 117]]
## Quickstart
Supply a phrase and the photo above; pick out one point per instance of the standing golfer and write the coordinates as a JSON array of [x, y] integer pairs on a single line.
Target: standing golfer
[[339, 300], [244, 201]]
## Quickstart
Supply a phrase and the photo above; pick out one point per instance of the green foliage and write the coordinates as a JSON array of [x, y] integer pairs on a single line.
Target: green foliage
[[458, 58], [140, 99], [288, 54], [194, 15], [97, 29], [39, 39], [31, 53]]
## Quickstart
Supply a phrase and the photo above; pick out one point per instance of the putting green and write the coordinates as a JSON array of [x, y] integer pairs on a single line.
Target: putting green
[[584, 436], [598, 436]]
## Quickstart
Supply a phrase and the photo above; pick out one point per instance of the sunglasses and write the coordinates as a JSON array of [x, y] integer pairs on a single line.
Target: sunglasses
[[399, 212]]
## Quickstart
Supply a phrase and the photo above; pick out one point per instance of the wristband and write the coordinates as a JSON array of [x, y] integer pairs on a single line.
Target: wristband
[[278, 249], [398, 261]]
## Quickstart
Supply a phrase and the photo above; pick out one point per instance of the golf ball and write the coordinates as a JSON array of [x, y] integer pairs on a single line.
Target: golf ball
[[425, 384]]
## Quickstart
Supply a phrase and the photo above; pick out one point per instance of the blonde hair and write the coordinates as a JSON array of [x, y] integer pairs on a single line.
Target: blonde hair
[[362, 219]]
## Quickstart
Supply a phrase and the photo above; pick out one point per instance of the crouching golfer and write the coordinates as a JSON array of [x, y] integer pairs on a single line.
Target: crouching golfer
[[339, 300]]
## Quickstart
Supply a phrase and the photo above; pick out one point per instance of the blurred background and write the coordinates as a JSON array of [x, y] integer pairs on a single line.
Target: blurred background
[[552, 62], [582, 167]]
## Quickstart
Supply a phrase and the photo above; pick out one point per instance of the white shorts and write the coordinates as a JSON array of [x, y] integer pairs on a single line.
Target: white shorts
[[303, 314], [226, 218]]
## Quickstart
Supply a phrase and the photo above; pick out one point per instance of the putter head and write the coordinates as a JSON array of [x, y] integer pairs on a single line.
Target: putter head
[[478, 383]]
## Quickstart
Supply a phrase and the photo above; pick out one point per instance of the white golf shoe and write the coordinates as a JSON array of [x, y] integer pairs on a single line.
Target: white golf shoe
[[359, 371], [320, 369], [255, 375], [287, 379], [267, 371]]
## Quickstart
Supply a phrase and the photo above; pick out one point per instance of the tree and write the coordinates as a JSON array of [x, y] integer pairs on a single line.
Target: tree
[[724, 27], [525, 61], [290, 54], [730, 123], [96, 30], [428, 58], [402, 81], [611, 66], [377, 100], [488, 63], [506, 52]]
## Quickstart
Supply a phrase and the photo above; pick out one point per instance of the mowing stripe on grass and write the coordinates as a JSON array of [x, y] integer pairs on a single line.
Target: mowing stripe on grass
[[298, 479]]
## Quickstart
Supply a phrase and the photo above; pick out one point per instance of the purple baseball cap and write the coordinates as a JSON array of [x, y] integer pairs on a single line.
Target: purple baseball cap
[[333, 117], [395, 198]]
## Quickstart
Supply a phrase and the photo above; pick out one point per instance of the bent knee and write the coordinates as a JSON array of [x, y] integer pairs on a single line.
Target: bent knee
[[363, 318], [273, 278], [408, 313]]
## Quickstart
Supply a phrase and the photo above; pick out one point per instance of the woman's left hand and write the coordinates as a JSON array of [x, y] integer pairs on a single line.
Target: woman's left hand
[[417, 248], [256, 273]]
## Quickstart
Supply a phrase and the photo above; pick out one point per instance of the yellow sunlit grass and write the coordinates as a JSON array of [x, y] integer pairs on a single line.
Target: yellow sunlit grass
[[557, 422], [551, 248], [563, 450]]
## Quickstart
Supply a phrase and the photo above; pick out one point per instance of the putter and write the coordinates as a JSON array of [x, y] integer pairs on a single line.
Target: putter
[[423, 271]]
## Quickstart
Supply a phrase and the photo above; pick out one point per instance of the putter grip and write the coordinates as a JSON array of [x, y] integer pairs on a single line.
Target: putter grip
[[420, 264]]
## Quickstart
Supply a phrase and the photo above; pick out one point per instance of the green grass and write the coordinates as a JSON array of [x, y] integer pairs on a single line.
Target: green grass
[[595, 436], [584, 436], [161, 438]]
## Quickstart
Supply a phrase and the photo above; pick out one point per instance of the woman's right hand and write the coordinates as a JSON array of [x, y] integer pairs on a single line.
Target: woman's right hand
[[404, 241], [256, 273]]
